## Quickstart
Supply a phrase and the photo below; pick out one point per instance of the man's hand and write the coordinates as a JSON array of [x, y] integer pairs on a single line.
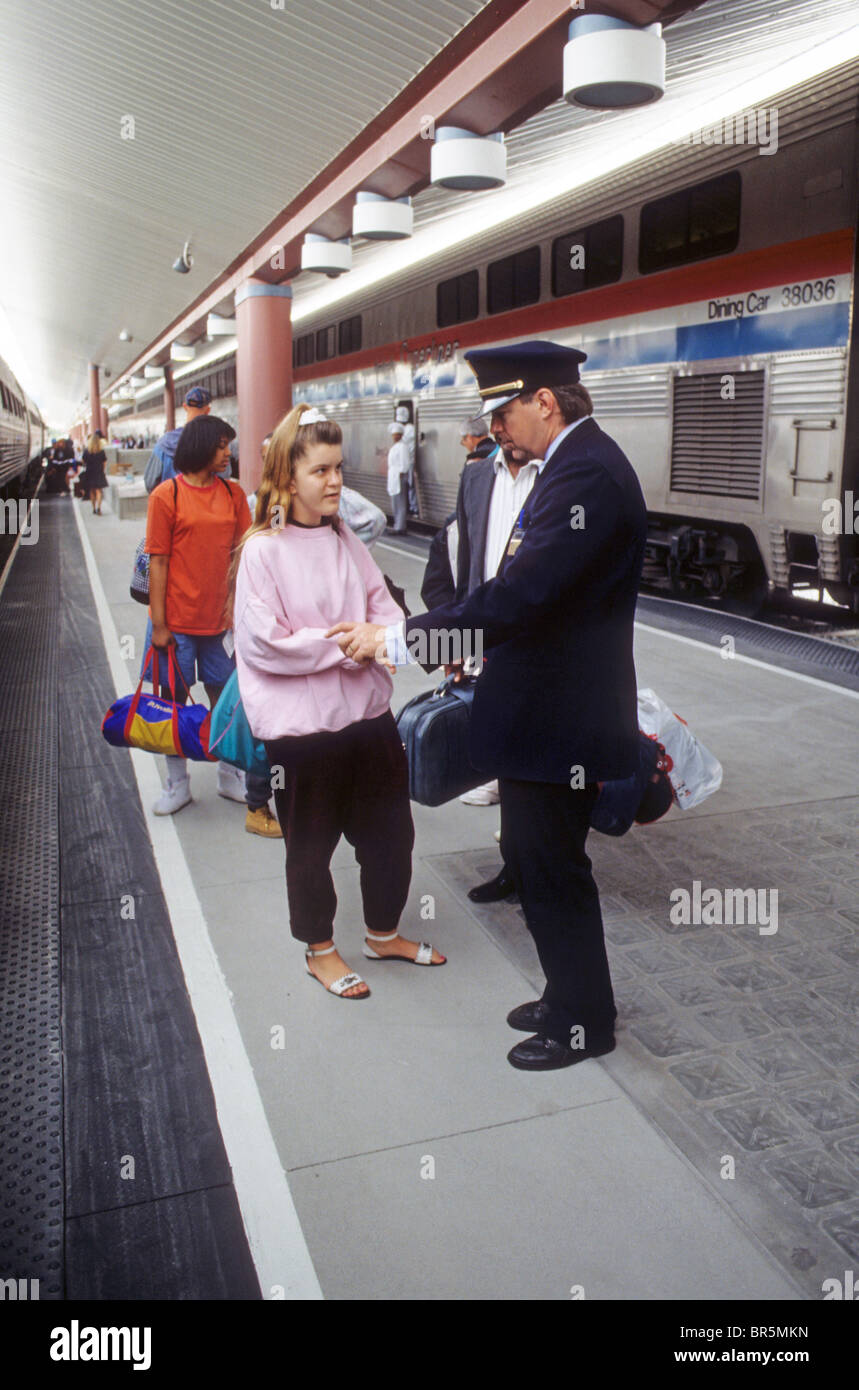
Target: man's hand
[[162, 636], [362, 642], [455, 670]]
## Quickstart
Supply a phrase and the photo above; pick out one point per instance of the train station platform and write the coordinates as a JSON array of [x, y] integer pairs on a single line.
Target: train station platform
[[203, 1122]]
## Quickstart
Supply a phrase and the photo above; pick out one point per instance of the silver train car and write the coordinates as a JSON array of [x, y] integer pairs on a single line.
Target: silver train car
[[22, 432], [712, 287]]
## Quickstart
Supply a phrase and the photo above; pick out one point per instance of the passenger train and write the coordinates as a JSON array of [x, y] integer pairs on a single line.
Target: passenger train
[[22, 432], [716, 307]]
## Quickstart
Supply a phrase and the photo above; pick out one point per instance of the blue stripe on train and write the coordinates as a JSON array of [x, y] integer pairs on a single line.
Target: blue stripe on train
[[796, 330]]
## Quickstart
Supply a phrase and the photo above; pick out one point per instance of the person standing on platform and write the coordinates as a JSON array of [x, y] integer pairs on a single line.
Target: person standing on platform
[[93, 479], [476, 440], [493, 489], [401, 416], [160, 464], [398, 468], [555, 709], [325, 720], [194, 523]]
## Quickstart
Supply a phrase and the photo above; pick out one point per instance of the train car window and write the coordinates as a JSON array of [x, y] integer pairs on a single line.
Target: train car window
[[513, 281], [303, 351], [326, 344], [588, 258], [457, 299], [5, 398], [349, 335], [690, 225]]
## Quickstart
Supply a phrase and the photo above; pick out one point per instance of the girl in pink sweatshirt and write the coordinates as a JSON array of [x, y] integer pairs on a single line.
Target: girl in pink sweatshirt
[[326, 721]]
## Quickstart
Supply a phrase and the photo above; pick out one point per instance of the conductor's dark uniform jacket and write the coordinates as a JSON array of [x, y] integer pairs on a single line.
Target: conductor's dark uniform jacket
[[558, 691]]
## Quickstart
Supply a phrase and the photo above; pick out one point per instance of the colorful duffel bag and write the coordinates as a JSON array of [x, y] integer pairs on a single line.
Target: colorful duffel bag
[[156, 725], [230, 736]]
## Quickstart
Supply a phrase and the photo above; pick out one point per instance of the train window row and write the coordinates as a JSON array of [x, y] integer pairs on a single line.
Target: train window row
[[335, 341], [675, 230], [11, 403], [219, 382]]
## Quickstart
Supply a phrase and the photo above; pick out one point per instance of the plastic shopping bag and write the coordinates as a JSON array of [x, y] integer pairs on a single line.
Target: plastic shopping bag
[[695, 774]]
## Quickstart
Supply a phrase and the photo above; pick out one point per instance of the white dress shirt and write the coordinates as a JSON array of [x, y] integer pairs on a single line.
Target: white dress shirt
[[509, 496]]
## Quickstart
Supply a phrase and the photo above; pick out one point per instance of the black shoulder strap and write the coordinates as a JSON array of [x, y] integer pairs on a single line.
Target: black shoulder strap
[[226, 484], [175, 493]]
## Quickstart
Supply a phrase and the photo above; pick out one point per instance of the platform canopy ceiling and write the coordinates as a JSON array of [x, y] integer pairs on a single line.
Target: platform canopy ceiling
[[132, 125]]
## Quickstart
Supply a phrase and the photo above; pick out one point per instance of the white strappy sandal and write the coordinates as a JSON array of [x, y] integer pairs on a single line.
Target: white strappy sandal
[[339, 987], [423, 957]]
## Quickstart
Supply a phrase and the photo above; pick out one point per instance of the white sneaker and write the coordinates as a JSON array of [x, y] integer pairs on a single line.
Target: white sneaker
[[174, 796], [231, 783], [487, 795]]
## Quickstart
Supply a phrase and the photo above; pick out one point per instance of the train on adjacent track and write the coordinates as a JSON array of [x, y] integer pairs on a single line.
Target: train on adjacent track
[[712, 287], [22, 433]]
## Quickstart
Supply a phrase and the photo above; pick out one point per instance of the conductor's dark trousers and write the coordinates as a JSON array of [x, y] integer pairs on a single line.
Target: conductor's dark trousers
[[544, 827], [353, 782]]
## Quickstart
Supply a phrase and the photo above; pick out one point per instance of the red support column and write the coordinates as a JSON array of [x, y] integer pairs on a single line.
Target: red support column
[[169, 405], [94, 399], [263, 368], [105, 423]]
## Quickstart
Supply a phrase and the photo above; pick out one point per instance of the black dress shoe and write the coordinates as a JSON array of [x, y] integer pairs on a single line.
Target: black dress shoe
[[498, 888], [544, 1054], [528, 1017]]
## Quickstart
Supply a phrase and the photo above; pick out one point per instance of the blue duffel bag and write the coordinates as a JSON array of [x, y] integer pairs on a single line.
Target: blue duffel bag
[[230, 736], [434, 730]]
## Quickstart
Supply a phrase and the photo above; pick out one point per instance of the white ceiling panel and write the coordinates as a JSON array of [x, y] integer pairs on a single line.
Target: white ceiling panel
[[236, 106]]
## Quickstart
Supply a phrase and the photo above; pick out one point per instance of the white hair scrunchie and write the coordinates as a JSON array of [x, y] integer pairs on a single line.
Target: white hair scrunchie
[[313, 417]]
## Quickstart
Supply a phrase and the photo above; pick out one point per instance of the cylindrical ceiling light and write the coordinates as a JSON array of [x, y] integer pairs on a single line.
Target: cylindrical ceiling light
[[610, 64], [153, 373], [324, 256], [460, 159], [382, 219], [180, 353], [137, 382], [125, 336], [218, 326]]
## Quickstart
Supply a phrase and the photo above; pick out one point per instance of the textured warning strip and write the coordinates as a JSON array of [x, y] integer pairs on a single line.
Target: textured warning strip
[[137, 1179]]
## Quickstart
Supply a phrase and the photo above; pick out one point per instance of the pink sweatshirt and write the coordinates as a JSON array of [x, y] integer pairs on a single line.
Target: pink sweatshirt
[[293, 584]]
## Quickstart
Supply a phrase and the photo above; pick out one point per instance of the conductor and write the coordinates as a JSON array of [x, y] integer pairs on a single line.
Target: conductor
[[554, 711]]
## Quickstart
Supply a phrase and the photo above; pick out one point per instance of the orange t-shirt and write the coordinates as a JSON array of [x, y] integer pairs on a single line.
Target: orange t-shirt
[[198, 532]]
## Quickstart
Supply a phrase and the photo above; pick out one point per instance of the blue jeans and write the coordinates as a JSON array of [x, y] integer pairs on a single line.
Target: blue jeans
[[205, 659]]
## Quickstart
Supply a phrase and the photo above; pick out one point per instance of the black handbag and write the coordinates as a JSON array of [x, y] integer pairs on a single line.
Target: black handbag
[[434, 730]]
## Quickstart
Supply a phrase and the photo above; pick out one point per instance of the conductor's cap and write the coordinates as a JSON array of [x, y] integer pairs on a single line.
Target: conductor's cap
[[506, 372]]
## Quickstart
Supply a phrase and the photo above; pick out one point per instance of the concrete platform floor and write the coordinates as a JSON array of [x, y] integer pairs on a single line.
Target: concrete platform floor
[[423, 1167]]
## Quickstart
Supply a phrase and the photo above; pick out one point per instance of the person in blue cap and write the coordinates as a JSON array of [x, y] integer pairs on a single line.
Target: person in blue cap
[[159, 465], [554, 711]]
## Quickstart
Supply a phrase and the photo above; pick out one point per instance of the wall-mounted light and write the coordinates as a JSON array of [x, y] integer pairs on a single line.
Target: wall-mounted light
[[219, 327], [610, 64], [461, 159], [382, 219]]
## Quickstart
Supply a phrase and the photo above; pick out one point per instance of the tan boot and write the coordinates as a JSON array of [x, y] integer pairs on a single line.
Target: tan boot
[[262, 822]]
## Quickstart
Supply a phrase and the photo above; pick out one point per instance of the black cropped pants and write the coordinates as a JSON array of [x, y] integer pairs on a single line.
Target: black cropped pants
[[354, 782]]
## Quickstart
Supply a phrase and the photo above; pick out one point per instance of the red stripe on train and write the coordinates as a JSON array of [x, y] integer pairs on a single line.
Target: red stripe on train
[[831, 253]]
